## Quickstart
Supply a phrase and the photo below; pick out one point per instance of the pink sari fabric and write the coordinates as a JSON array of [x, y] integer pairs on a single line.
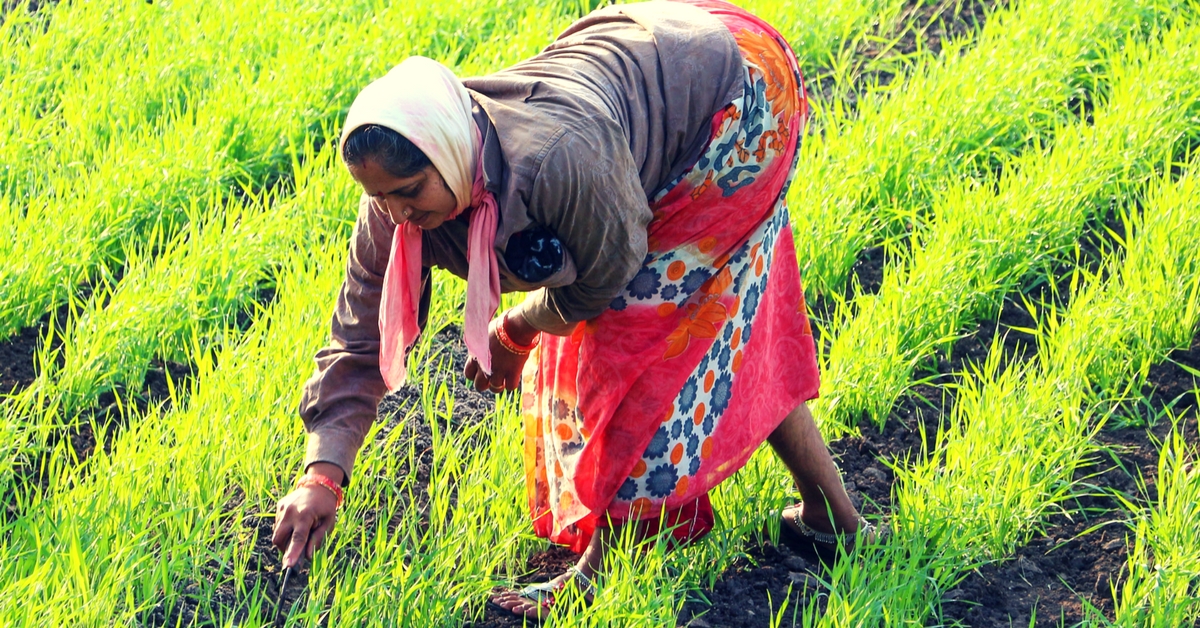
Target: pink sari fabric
[[644, 409]]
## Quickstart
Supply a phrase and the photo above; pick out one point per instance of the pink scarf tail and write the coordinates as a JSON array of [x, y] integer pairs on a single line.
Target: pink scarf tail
[[483, 275], [398, 305]]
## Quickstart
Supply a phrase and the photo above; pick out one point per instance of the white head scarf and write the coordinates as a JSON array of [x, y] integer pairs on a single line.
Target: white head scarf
[[422, 100]]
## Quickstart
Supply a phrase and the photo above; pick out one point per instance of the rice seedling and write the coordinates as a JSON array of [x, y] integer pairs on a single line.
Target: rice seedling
[[960, 267], [1006, 459], [1024, 76]]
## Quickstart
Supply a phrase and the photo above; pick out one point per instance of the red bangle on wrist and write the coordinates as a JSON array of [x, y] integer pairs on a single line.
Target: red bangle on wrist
[[313, 479], [507, 342]]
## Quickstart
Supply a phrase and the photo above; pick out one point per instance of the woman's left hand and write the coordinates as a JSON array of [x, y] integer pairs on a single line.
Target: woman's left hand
[[506, 365]]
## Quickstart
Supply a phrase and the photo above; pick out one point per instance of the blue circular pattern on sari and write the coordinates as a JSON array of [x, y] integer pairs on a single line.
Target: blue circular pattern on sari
[[668, 292], [662, 480], [628, 490], [722, 392], [687, 396], [723, 357], [658, 445], [645, 284], [618, 304], [751, 301], [693, 280], [692, 444], [694, 466], [676, 428]]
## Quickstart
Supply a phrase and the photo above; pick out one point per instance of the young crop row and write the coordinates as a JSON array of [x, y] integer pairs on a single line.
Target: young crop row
[[238, 133], [1161, 589], [960, 266], [1030, 70]]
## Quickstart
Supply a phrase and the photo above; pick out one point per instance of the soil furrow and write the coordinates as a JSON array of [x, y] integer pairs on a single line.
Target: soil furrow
[[1079, 558], [881, 56]]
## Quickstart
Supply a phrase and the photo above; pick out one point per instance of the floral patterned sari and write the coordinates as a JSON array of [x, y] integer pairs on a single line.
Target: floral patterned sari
[[644, 409]]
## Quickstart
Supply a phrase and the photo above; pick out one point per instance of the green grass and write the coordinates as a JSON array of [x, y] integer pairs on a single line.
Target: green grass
[[960, 267], [866, 182], [200, 174]]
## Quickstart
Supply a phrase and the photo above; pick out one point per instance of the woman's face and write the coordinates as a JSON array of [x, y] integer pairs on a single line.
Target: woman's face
[[422, 199]]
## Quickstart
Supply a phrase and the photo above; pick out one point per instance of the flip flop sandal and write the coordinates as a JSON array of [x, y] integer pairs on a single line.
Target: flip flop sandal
[[804, 539], [543, 594]]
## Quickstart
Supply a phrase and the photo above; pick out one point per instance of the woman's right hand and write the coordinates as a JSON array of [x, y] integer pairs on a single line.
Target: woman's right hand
[[302, 521]]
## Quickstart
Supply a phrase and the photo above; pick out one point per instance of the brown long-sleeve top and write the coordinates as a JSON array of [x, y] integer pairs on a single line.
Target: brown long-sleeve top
[[575, 140]]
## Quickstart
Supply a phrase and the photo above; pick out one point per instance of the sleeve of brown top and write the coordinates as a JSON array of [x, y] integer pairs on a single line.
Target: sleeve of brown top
[[589, 193], [339, 401]]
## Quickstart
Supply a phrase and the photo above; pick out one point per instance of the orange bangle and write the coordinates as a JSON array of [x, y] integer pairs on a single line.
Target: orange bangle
[[311, 479], [507, 342]]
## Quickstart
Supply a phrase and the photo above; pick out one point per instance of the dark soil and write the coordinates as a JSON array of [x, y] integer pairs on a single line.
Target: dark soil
[[17, 359], [197, 602], [18, 353], [9, 5], [1079, 558], [401, 410]]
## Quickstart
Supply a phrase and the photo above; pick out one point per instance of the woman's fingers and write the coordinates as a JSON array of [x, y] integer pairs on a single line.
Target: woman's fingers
[[317, 536], [483, 382], [471, 369], [476, 375], [283, 532], [295, 549]]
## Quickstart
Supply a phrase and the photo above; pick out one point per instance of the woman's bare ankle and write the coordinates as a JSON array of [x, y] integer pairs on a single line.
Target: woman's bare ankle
[[818, 518]]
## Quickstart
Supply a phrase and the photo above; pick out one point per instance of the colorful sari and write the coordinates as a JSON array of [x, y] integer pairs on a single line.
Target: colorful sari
[[645, 408]]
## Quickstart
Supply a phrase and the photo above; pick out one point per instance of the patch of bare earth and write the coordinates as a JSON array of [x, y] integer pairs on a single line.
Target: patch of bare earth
[[1073, 566], [218, 591], [886, 53]]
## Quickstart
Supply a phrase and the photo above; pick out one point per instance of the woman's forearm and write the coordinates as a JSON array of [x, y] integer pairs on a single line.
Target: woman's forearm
[[523, 331]]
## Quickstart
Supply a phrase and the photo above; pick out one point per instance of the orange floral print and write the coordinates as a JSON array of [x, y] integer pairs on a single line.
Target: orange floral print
[[769, 56], [703, 321]]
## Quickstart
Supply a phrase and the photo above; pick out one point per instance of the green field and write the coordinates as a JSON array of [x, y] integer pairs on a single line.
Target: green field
[[997, 217]]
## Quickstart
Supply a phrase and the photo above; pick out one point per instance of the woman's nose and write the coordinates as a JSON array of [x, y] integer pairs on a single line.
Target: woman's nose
[[395, 210]]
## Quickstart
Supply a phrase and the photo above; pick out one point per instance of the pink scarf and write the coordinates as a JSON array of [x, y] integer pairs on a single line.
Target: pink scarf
[[423, 101]]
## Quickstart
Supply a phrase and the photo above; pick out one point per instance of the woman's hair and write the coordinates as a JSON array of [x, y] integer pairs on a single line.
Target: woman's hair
[[393, 152]]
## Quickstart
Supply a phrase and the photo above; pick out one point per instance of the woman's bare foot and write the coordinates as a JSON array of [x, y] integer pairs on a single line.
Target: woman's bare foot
[[535, 602]]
